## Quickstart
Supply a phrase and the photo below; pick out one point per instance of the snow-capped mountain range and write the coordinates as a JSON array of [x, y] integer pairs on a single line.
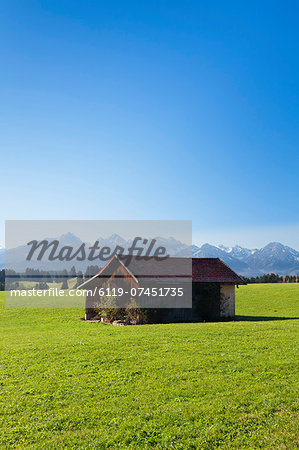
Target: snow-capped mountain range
[[274, 257]]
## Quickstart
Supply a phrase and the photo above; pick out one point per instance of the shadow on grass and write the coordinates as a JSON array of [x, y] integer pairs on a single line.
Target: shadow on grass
[[262, 318]]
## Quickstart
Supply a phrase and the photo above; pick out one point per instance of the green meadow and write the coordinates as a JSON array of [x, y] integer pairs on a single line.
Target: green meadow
[[66, 383]]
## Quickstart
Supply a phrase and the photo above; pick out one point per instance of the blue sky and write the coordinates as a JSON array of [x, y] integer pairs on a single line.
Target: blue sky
[[153, 110]]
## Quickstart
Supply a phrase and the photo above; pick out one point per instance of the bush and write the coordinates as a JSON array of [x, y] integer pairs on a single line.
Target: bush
[[130, 315]]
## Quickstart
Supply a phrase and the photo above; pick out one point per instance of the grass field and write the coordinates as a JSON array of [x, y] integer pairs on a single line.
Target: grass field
[[66, 383]]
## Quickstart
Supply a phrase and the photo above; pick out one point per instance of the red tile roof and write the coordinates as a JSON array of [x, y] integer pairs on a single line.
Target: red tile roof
[[204, 270], [213, 270]]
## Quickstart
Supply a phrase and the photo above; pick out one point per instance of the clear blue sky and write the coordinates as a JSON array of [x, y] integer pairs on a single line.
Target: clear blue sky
[[153, 110]]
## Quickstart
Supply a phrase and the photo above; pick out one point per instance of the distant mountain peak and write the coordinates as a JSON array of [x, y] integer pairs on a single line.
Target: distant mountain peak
[[69, 239], [274, 257], [115, 236]]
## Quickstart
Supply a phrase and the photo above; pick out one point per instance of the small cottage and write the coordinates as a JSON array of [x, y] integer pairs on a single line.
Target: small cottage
[[213, 289]]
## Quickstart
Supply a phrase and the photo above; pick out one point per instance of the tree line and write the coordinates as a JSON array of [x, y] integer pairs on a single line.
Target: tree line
[[272, 278], [42, 278]]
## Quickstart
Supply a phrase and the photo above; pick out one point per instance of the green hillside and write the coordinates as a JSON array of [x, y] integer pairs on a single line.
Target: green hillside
[[66, 383]]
